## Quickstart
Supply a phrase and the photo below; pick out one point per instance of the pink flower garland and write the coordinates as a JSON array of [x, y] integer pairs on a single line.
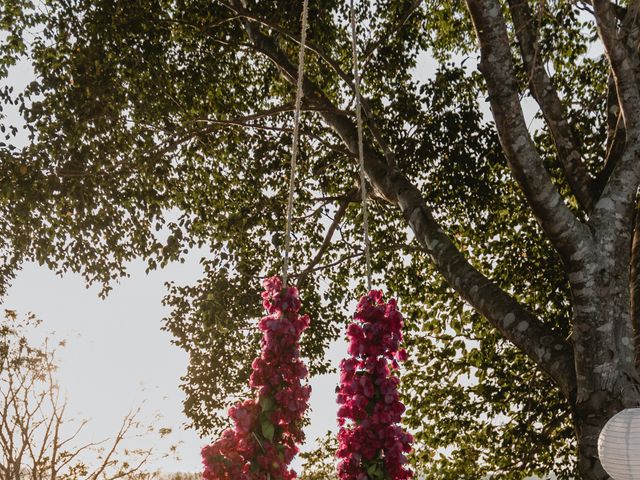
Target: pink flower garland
[[269, 428], [372, 445]]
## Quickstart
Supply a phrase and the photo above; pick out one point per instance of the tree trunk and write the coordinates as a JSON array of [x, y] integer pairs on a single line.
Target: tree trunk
[[589, 418], [603, 341], [607, 380]]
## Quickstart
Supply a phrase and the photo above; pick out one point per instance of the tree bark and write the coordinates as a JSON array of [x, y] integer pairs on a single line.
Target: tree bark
[[589, 418], [602, 338]]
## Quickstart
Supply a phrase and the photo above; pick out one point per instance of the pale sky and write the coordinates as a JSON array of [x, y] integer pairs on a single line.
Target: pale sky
[[116, 356]]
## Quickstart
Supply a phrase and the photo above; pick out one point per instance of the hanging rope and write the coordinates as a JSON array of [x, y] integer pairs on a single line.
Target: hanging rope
[[363, 180], [296, 137]]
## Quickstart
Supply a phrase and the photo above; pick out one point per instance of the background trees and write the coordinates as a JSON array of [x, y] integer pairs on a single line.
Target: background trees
[[39, 439], [157, 126]]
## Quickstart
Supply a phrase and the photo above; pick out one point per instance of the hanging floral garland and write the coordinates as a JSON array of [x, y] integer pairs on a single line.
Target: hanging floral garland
[[268, 429], [371, 443]]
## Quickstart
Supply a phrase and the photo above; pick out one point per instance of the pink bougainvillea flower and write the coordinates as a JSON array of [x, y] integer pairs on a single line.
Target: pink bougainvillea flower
[[267, 428], [371, 443]]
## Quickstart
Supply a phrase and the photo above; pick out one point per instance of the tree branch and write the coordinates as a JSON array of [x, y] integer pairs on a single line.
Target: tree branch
[[350, 256], [243, 13], [342, 209], [125, 426], [554, 355], [616, 143], [621, 63], [565, 232], [614, 210], [615, 139], [546, 95]]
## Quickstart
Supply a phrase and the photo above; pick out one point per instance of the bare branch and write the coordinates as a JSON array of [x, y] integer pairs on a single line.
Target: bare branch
[[244, 121], [360, 253], [547, 97], [565, 232], [342, 209], [125, 426], [33, 443]]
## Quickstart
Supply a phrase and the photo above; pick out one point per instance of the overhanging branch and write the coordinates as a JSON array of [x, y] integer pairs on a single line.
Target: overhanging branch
[[516, 323]]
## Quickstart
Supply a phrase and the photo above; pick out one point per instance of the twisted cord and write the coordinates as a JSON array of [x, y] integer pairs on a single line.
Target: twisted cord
[[296, 138], [363, 180]]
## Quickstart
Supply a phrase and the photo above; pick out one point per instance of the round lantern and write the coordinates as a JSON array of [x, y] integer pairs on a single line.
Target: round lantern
[[619, 445]]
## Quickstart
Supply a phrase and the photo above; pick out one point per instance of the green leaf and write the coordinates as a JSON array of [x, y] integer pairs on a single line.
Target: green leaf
[[268, 430], [266, 403]]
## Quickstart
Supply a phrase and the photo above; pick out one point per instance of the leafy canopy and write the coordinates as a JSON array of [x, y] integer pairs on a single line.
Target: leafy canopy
[[154, 127]]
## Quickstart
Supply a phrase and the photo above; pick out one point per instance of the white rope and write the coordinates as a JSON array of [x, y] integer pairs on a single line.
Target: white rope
[[296, 137], [363, 181]]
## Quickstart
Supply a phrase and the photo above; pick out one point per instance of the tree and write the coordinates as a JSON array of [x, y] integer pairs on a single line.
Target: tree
[[320, 463], [38, 439], [155, 126]]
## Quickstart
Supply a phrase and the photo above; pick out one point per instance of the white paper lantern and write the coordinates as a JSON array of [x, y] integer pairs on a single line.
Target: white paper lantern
[[619, 445]]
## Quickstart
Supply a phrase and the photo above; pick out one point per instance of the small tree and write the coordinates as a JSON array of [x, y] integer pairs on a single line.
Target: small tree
[[320, 463], [38, 440]]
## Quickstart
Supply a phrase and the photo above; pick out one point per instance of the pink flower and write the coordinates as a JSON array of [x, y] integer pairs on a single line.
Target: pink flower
[[370, 406], [267, 427]]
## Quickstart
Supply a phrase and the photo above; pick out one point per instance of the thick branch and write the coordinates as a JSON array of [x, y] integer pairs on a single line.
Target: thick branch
[[342, 209], [547, 97], [562, 228], [614, 210], [517, 324], [621, 63]]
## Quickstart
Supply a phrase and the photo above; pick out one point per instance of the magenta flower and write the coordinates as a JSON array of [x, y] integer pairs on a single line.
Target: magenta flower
[[267, 429], [371, 443]]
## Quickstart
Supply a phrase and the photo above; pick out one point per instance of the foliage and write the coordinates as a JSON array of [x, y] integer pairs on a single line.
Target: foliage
[[153, 127]]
